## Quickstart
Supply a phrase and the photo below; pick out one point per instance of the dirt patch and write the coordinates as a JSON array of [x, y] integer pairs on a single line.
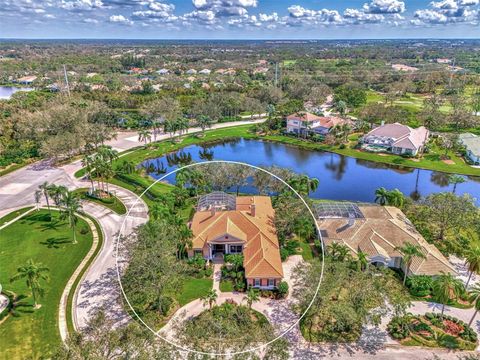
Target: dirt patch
[[415, 159], [449, 162]]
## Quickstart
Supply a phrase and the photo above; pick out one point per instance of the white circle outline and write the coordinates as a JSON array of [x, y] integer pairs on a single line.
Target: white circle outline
[[156, 333]]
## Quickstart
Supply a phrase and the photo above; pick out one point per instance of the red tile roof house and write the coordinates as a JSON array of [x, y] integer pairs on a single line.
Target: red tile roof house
[[228, 224], [302, 122], [397, 139]]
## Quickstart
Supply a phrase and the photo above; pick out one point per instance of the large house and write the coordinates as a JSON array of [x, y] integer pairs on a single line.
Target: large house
[[303, 123], [396, 138], [228, 224], [472, 146], [378, 231]]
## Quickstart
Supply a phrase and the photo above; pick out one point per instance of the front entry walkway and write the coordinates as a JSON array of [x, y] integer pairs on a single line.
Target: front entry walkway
[[217, 276]]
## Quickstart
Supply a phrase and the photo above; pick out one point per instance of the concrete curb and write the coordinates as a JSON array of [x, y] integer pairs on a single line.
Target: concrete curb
[[62, 310]]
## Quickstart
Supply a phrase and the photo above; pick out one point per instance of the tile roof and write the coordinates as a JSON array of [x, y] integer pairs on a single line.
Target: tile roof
[[256, 233], [383, 229], [402, 135], [303, 116], [471, 142]]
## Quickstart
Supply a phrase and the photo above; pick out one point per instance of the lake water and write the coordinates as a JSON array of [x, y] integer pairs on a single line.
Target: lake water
[[6, 92], [341, 177]]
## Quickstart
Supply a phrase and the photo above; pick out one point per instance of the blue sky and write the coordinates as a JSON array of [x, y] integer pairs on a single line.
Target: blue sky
[[239, 19]]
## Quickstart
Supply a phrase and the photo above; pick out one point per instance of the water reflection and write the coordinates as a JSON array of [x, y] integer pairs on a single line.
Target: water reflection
[[341, 177]]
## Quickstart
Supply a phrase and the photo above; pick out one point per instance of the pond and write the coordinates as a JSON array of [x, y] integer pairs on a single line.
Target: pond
[[341, 177], [6, 92]]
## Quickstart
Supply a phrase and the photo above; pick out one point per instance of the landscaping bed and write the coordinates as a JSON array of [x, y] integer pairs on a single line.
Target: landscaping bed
[[433, 330], [108, 200]]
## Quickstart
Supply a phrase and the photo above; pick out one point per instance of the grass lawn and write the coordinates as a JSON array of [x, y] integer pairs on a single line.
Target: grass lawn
[[138, 183], [194, 288], [13, 215], [306, 251], [34, 333], [226, 285], [113, 203]]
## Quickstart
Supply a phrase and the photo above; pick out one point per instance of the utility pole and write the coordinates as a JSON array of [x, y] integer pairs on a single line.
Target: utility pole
[[66, 79], [451, 74], [276, 74]]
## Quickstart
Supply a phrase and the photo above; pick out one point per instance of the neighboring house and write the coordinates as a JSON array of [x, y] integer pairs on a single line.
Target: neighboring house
[[402, 67], [304, 122], [205, 71], [397, 139], [472, 146], [378, 231], [162, 72], [228, 224], [191, 72], [27, 80], [444, 61]]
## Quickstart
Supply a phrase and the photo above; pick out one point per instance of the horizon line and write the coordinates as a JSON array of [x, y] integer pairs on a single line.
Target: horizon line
[[244, 39]]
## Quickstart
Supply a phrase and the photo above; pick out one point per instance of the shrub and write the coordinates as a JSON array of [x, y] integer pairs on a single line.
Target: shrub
[[84, 230], [342, 146], [448, 341], [282, 289], [208, 272], [420, 285], [284, 254]]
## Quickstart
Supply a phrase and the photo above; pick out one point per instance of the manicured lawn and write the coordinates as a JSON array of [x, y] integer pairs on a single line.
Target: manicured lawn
[[13, 215], [226, 285], [194, 288], [34, 333], [306, 251], [138, 183], [113, 203]]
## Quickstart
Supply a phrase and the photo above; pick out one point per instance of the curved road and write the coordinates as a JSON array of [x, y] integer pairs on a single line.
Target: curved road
[[99, 286]]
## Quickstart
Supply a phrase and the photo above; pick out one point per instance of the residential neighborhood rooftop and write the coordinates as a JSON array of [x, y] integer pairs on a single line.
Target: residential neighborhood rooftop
[[251, 224], [382, 230]]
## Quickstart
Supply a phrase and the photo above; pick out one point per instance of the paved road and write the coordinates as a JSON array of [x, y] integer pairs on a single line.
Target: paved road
[[99, 288], [18, 187]]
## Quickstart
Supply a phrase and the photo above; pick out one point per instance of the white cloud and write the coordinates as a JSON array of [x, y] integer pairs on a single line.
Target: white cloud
[[225, 7], [384, 7], [448, 11], [83, 5], [120, 19], [90, 21], [358, 16], [299, 14]]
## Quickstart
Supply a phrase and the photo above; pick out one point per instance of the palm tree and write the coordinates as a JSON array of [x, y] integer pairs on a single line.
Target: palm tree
[[475, 293], [70, 207], [144, 135], [362, 261], [339, 252], [409, 251], [38, 195], [396, 198], [455, 180], [56, 192], [87, 164], [33, 273], [45, 188], [252, 296], [304, 228], [203, 122], [210, 298], [183, 125], [472, 257], [444, 287], [381, 196]]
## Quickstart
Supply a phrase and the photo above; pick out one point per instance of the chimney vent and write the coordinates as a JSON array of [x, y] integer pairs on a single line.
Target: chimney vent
[[252, 210]]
